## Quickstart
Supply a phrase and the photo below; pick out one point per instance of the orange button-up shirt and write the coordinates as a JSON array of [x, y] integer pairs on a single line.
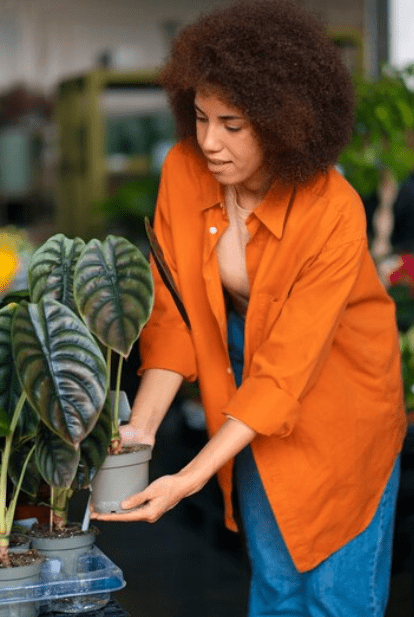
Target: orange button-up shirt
[[322, 380]]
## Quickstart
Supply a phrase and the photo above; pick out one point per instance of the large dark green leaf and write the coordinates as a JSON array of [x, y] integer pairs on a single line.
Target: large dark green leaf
[[10, 387], [113, 289], [56, 460], [94, 448], [51, 270], [6, 361], [61, 368], [28, 420], [15, 295]]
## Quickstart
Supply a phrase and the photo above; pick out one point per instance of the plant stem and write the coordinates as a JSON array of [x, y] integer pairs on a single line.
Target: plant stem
[[108, 365], [4, 553], [51, 511], [115, 414], [5, 521], [13, 502], [59, 501]]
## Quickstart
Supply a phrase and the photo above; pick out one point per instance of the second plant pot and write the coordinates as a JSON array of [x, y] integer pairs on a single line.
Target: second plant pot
[[63, 555], [121, 475], [64, 551]]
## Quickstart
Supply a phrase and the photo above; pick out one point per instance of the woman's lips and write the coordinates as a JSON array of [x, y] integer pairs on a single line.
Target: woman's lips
[[215, 165]]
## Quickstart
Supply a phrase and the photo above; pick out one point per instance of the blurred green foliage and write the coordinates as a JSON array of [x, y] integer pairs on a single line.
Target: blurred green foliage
[[131, 203], [404, 300], [383, 135], [407, 358]]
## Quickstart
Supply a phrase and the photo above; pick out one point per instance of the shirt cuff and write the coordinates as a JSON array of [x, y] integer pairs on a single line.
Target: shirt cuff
[[264, 407]]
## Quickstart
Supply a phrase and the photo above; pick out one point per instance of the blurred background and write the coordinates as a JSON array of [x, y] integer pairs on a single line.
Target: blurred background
[[84, 129]]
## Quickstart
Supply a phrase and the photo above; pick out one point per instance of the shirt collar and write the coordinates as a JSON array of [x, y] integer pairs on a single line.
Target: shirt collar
[[272, 211], [212, 191]]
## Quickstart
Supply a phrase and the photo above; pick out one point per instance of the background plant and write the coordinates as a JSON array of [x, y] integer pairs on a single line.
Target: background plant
[[383, 135]]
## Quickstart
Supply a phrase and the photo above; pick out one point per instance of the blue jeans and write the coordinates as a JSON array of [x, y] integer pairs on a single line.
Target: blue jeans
[[353, 582]]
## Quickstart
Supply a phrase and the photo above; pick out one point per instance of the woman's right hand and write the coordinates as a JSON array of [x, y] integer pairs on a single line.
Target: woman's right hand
[[155, 394], [131, 435]]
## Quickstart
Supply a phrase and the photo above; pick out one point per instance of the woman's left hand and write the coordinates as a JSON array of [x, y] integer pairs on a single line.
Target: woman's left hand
[[151, 503], [164, 493]]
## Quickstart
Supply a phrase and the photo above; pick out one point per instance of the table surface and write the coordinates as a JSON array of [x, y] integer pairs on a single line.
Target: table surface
[[112, 609]]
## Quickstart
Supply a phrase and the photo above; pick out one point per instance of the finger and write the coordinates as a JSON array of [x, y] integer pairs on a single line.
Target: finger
[[137, 514], [116, 515], [135, 500]]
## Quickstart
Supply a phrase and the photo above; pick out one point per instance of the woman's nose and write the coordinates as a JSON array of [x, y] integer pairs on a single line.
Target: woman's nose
[[209, 139]]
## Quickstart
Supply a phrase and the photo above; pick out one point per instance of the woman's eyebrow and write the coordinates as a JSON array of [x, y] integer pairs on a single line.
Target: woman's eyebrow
[[198, 109], [221, 117]]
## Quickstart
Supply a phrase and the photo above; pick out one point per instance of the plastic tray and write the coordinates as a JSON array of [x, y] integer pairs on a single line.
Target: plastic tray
[[96, 575]]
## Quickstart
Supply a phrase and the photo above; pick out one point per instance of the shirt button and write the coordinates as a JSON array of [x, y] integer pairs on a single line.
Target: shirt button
[[213, 230], [229, 370]]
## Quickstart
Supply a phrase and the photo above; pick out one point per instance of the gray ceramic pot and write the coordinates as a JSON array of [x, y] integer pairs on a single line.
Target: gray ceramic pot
[[63, 553], [19, 577], [63, 557], [121, 475]]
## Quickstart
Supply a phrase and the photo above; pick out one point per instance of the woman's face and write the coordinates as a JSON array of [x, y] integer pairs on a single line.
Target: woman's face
[[229, 144]]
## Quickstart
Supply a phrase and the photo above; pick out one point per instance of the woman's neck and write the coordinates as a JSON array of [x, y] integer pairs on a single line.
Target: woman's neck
[[249, 198]]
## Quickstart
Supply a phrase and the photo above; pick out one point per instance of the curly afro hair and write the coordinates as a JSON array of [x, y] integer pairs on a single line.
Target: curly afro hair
[[274, 63]]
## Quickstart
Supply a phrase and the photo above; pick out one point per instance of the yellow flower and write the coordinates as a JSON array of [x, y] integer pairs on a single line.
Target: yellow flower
[[9, 261]]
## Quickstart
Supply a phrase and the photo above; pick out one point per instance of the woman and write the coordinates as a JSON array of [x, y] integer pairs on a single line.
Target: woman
[[293, 338]]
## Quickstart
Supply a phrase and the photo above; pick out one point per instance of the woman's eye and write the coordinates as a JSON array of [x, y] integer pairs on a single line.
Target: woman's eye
[[233, 129], [201, 119]]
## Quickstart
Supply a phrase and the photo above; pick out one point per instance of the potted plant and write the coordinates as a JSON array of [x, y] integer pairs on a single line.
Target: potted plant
[[63, 375], [17, 568], [109, 284]]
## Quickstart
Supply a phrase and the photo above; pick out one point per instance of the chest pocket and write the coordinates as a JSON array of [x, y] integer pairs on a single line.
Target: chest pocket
[[267, 311]]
